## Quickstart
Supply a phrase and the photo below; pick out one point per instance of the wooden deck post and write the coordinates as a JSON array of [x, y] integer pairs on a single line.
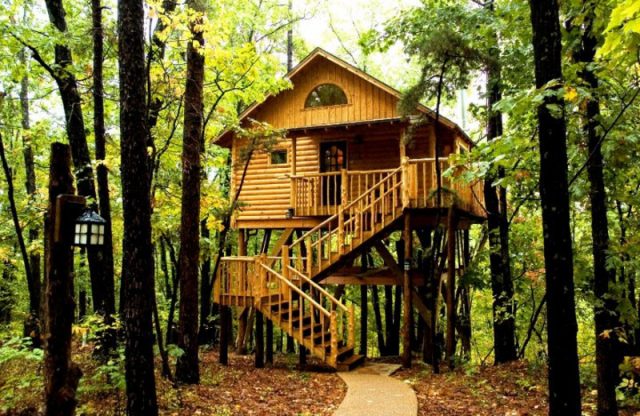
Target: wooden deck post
[[451, 283], [259, 340], [293, 182], [225, 318], [406, 292], [405, 182]]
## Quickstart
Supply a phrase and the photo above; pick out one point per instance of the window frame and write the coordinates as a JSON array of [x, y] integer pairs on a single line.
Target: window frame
[[314, 89], [286, 157]]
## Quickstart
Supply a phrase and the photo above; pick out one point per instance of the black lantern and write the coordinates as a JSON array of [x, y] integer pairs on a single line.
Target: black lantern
[[89, 229]]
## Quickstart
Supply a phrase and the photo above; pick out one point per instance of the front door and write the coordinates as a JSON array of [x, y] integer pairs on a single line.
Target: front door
[[333, 158]]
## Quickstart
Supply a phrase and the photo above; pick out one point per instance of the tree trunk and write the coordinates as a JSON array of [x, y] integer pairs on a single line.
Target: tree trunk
[[108, 303], [376, 312], [76, 132], [187, 368], [17, 227], [206, 332], [564, 378], [137, 257], [32, 322], [450, 346], [608, 349], [60, 373], [504, 328], [364, 308]]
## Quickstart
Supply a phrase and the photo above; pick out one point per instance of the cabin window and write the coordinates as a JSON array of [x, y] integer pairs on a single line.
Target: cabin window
[[325, 95], [279, 157]]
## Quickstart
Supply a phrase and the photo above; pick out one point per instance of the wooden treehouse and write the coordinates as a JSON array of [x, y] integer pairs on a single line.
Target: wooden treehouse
[[336, 185]]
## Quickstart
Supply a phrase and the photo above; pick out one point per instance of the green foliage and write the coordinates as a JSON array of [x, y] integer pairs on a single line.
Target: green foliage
[[16, 353]]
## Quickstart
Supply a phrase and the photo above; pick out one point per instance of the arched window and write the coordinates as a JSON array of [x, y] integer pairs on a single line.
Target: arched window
[[325, 95]]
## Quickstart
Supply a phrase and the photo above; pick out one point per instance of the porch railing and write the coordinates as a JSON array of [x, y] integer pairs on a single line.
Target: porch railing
[[321, 194]]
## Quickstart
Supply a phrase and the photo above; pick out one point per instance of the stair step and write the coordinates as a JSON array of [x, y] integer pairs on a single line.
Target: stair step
[[279, 307], [306, 329], [350, 363], [296, 319], [317, 338]]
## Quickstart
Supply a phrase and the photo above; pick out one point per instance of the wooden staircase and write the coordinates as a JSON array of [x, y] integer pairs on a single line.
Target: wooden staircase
[[284, 290]]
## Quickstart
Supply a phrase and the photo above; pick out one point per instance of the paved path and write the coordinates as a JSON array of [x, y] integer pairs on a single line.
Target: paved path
[[371, 392]]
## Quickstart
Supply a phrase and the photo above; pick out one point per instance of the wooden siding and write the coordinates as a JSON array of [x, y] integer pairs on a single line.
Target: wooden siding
[[365, 100], [266, 191]]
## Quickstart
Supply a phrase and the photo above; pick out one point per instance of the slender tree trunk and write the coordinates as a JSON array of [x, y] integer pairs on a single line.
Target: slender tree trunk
[[171, 330], [32, 322], [187, 368], [450, 347], [364, 308], [608, 351], [108, 306], [137, 257], [564, 378], [382, 349], [206, 332], [16, 223], [504, 334], [60, 373], [76, 133]]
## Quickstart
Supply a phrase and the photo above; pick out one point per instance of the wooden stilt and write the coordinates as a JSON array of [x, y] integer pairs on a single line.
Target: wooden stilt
[[269, 342], [406, 292], [225, 336], [302, 357], [259, 340]]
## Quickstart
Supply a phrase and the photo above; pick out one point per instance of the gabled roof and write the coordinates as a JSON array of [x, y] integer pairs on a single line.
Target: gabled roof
[[321, 53]]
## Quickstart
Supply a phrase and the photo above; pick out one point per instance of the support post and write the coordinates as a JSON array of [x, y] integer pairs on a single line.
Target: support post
[[450, 344], [302, 357], [269, 342], [405, 182], [406, 292], [61, 374], [259, 340], [225, 317], [292, 198]]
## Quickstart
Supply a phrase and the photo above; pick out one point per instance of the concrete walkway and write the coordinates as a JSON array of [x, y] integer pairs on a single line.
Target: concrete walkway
[[371, 392]]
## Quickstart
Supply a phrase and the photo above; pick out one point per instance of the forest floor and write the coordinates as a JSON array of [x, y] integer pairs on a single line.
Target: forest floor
[[238, 389], [514, 389]]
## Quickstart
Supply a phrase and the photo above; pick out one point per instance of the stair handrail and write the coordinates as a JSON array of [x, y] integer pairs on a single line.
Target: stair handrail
[[296, 289], [322, 290], [342, 209]]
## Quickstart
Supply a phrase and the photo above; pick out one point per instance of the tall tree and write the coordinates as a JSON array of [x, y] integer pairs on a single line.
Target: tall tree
[[564, 378], [608, 354], [187, 368], [76, 133], [504, 327], [137, 258], [32, 325], [108, 304]]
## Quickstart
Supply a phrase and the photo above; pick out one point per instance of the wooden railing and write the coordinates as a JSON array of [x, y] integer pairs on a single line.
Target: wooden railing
[[234, 284], [309, 300], [317, 194], [422, 186], [254, 281], [321, 194], [354, 223]]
